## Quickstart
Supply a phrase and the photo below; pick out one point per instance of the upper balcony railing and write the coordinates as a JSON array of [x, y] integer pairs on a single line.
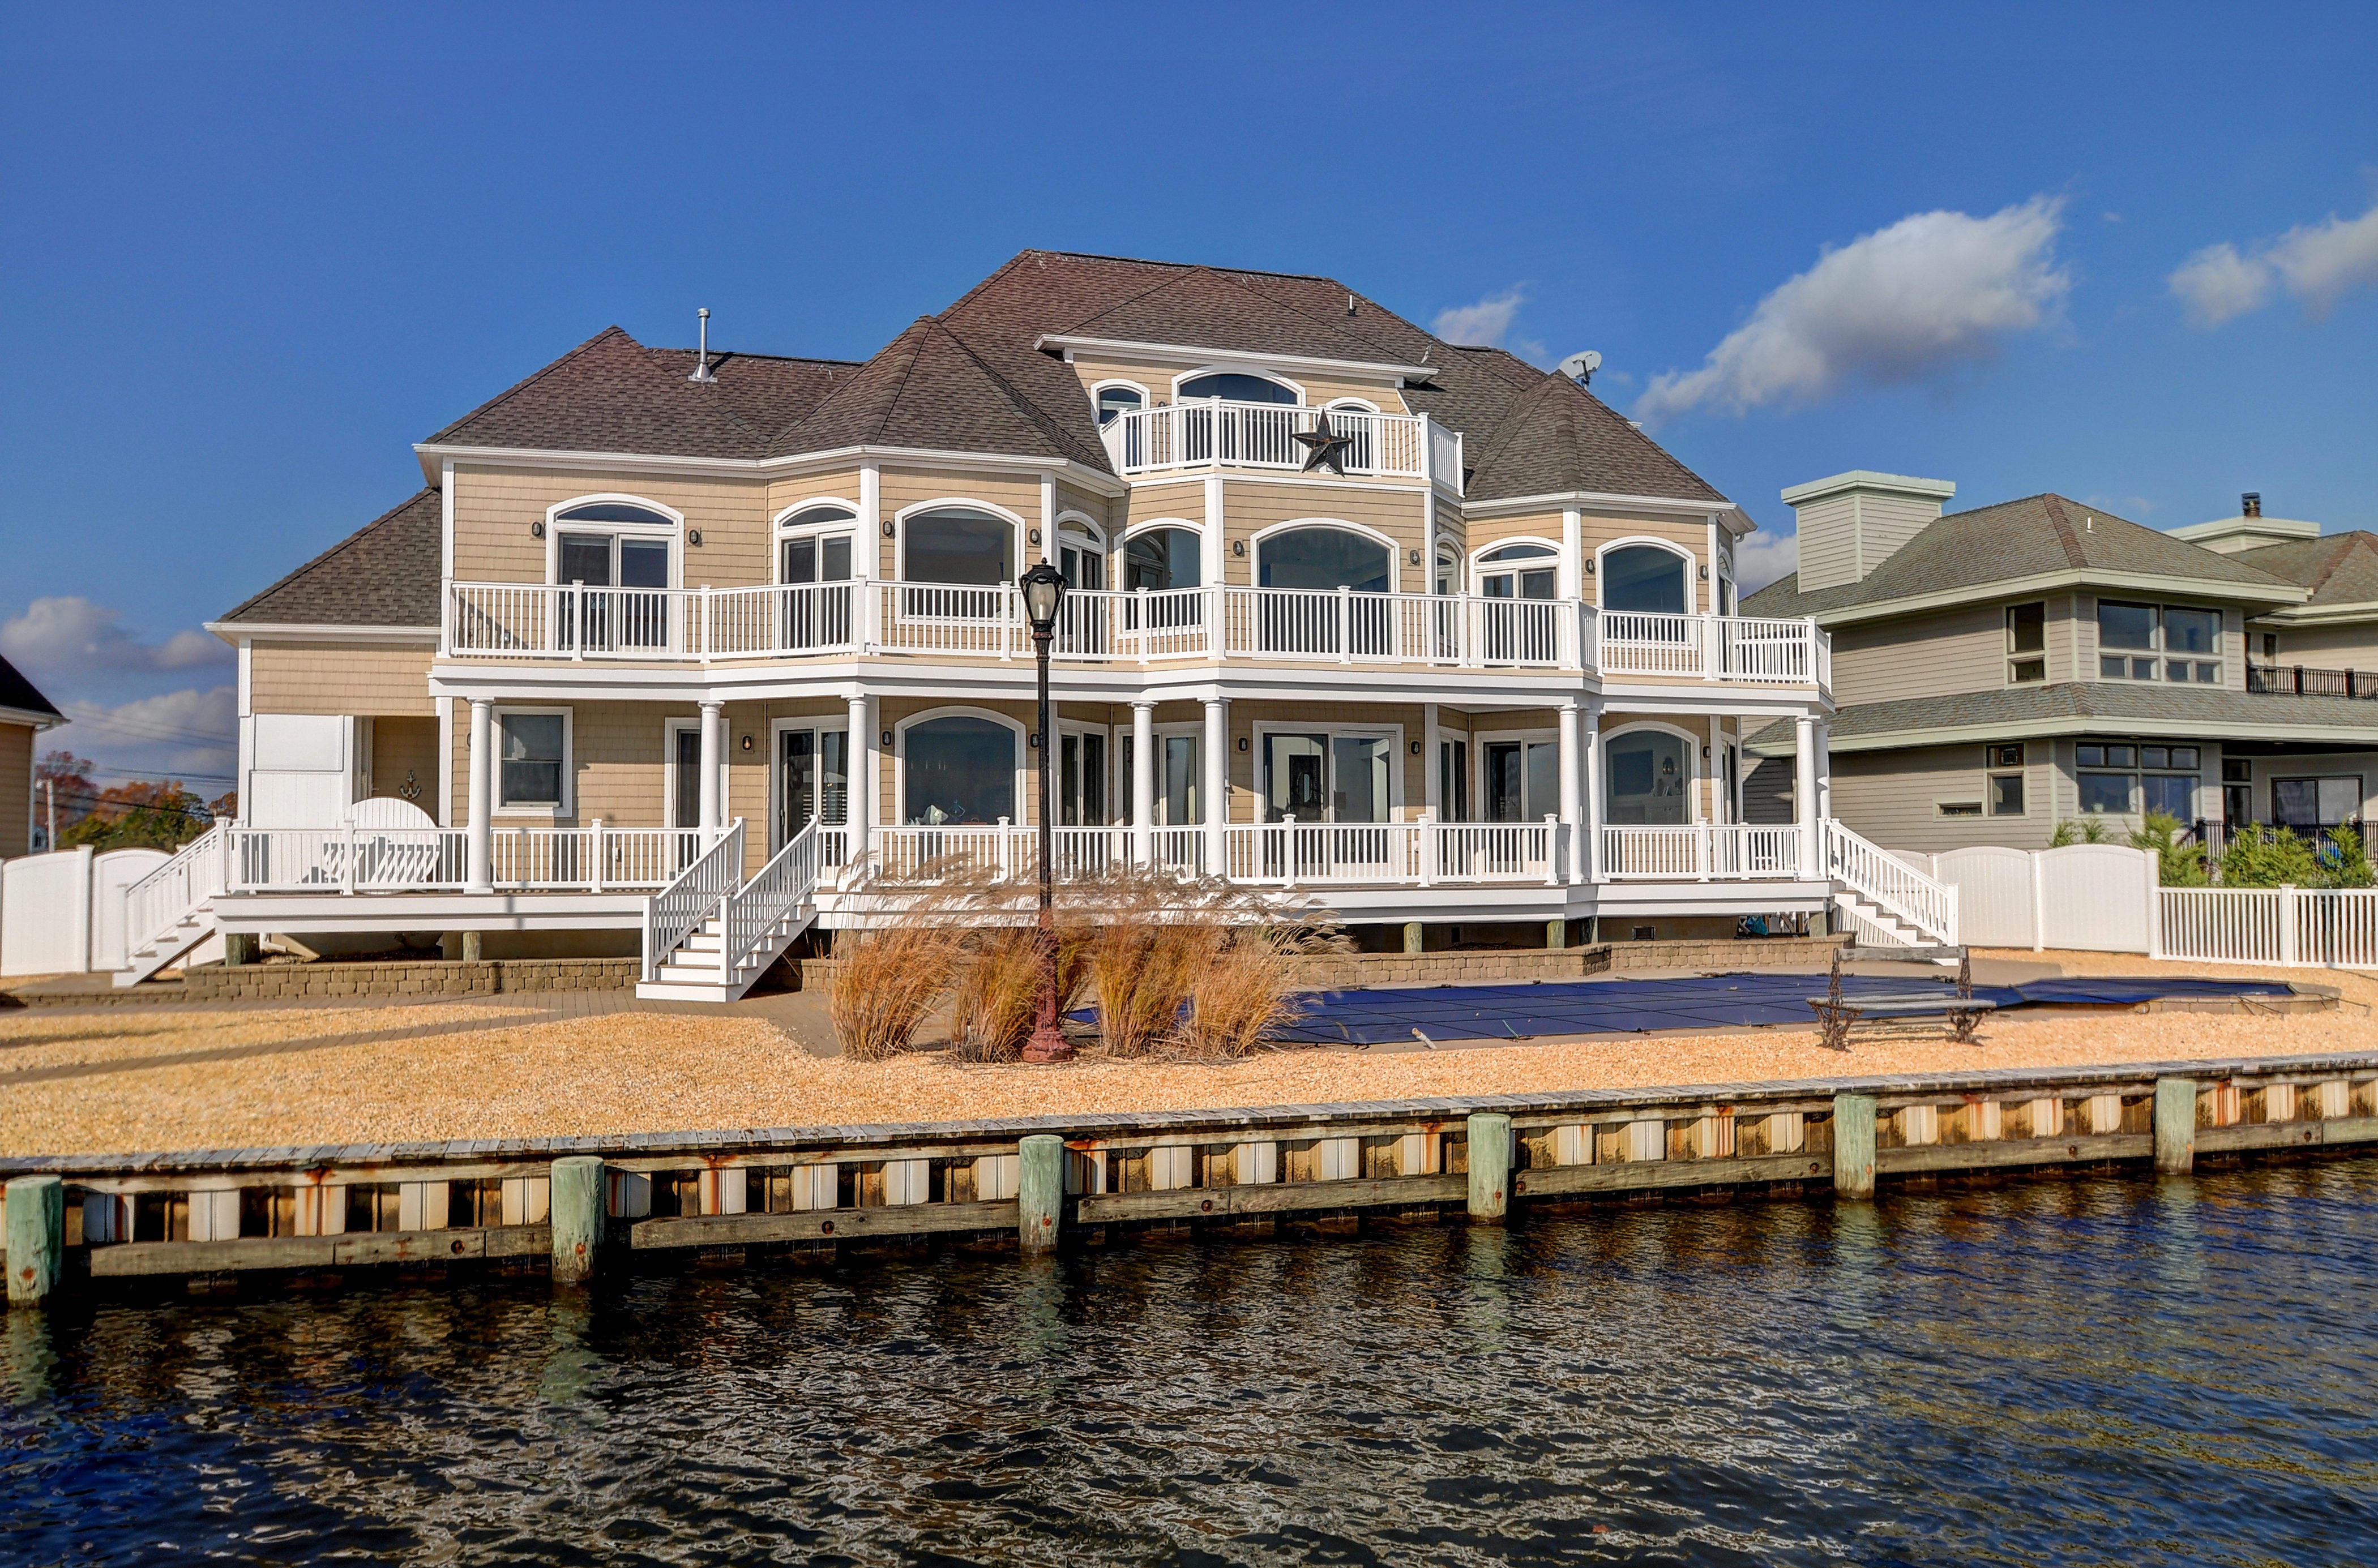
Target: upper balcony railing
[[536, 621], [1218, 433]]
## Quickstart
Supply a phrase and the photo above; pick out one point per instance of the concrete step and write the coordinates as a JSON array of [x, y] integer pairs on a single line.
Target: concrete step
[[678, 990]]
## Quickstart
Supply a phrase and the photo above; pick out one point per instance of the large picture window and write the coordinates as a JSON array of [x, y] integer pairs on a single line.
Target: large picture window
[[960, 545], [959, 769], [1649, 777], [1645, 579], [2158, 642], [2128, 778]]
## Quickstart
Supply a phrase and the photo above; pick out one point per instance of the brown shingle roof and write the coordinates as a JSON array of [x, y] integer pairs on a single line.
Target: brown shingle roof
[[2038, 535], [386, 573], [2339, 568]]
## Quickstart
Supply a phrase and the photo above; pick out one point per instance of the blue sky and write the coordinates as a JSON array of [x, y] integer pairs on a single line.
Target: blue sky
[[253, 254]]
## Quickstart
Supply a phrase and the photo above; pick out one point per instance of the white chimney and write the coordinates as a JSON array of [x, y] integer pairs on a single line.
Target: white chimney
[[1851, 523]]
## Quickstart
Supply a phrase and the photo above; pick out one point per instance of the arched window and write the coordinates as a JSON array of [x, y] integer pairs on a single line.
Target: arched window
[[1643, 578], [1236, 387], [1323, 557], [1650, 775], [959, 769], [960, 545], [1161, 559], [1081, 555], [614, 546], [1449, 568], [615, 512], [1358, 422], [1116, 401], [1519, 572], [814, 545]]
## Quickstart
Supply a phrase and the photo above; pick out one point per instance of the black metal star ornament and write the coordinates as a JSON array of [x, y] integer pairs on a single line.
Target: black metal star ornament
[[1322, 447]]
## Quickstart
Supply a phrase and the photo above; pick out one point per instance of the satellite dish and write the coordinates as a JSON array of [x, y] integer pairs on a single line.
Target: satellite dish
[[1580, 367]]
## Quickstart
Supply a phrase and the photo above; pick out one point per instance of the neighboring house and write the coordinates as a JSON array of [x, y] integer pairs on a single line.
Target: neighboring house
[[24, 713], [1336, 584], [2000, 670]]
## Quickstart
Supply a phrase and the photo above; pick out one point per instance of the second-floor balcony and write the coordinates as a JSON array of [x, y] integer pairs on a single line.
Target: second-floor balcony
[[2300, 680], [515, 621], [1215, 432]]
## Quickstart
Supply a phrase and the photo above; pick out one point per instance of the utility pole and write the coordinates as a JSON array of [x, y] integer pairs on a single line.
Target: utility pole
[[49, 793]]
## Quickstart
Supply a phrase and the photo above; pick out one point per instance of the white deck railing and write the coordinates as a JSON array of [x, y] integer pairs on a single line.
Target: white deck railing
[[691, 897], [1748, 648], [751, 913], [160, 901], [348, 859], [486, 620], [1218, 433], [1889, 883], [1701, 852]]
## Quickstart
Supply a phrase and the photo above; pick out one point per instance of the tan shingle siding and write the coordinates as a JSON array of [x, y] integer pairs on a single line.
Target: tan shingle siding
[[310, 677]]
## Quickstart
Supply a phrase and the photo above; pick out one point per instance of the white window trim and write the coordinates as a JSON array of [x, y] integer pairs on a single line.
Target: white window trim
[[784, 528], [674, 533], [836, 722], [671, 728], [1350, 405], [1014, 521], [1478, 566], [1395, 550], [900, 729], [1683, 551], [1113, 766], [1147, 399], [1239, 367], [568, 802], [1261, 785]]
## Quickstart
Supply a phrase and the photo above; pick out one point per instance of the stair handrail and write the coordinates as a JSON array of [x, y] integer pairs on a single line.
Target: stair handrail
[[788, 881], [1889, 882], [678, 910], [166, 896]]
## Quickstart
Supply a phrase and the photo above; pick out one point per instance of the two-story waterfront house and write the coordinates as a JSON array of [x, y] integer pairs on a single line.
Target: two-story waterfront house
[[1352, 609], [2001, 670]]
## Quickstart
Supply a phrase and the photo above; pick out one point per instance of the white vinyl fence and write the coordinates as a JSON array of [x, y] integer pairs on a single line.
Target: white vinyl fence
[[2314, 927], [65, 913]]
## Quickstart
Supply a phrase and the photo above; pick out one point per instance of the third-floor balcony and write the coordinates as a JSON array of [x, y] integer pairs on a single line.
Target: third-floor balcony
[[1215, 432], [539, 622]]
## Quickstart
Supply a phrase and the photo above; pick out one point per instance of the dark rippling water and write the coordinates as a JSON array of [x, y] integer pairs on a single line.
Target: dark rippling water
[[2113, 1370]]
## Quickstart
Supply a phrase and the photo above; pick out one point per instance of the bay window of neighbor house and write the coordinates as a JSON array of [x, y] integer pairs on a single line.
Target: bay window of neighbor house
[[2026, 628], [2005, 788], [959, 769], [2119, 779], [2311, 805], [2158, 642]]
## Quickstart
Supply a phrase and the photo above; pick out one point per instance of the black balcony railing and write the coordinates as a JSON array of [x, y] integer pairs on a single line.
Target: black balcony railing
[[2300, 680]]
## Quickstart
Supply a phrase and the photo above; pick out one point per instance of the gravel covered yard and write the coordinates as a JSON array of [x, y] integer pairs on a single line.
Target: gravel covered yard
[[119, 1080]]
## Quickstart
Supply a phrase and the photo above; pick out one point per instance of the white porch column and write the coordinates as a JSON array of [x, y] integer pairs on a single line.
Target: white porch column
[[1824, 769], [1590, 721], [1213, 550], [860, 809], [1572, 817], [1804, 794], [1432, 778], [478, 866], [1572, 561], [713, 746], [1721, 809], [1048, 518], [1143, 779], [1218, 785]]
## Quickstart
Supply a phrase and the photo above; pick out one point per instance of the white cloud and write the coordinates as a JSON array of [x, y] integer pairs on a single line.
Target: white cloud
[[191, 735], [1484, 323], [1762, 557], [1927, 293], [74, 637], [2318, 263]]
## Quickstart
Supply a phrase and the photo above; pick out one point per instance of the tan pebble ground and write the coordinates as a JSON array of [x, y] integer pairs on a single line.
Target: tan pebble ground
[[92, 1082]]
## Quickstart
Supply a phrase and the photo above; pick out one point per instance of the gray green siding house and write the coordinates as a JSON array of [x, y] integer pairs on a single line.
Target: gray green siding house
[[1999, 670]]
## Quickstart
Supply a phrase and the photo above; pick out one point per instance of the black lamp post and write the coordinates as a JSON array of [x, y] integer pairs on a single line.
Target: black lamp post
[[1044, 593]]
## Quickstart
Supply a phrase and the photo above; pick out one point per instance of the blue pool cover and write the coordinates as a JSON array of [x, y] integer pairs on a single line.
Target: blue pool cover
[[1715, 1001]]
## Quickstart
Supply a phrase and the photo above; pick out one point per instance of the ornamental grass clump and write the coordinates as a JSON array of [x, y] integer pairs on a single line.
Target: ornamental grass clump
[[889, 980], [998, 994], [1145, 948], [1246, 996]]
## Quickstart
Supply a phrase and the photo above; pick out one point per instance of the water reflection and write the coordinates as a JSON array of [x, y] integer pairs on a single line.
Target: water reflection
[[2118, 1369]]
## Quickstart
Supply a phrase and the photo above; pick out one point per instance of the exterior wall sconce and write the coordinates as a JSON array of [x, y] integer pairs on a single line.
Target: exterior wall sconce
[[1032, 536], [1033, 740], [747, 743], [1704, 574], [1589, 567], [693, 537], [1243, 743], [536, 529], [1415, 558], [1239, 548], [1415, 747], [887, 531], [887, 740]]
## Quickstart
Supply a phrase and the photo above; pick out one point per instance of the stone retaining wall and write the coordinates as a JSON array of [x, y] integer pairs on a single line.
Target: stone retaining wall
[[1352, 972], [426, 977]]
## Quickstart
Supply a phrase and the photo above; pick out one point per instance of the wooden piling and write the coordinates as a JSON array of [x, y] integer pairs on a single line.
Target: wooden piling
[[2175, 1126], [1490, 1165], [576, 1209], [1854, 1145], [1041, 1190], [37, 1236], [1412, 941]]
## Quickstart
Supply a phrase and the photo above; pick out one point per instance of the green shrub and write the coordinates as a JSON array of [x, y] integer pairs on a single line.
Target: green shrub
[[2266, 857], [2178, 865], [2079, 829]]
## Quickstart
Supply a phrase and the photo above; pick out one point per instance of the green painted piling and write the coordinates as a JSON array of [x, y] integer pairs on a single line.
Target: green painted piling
[[2175, 1126], [1040, 1191], [577, 1212], [1853, 1146], [37, 1236], [1490, 1165]]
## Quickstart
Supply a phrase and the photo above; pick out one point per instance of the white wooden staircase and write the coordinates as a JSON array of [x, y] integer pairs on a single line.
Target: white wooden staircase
[[709, 934], [171, 910], [1890, 903]]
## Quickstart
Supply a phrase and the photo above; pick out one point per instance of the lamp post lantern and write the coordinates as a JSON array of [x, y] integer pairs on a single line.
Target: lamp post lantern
[[1044, 591]]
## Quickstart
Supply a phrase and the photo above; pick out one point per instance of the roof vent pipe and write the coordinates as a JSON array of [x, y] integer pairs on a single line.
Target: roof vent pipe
[[701, 366], [2251, 503]]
